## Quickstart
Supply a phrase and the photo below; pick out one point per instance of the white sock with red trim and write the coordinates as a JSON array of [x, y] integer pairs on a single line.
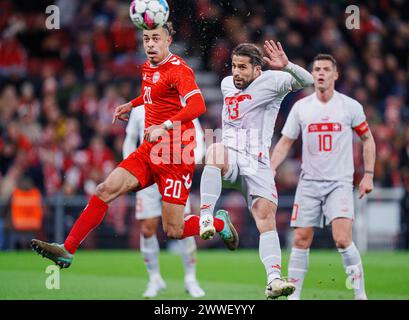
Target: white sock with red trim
[[353, 267], [270, 254], [297, 268]]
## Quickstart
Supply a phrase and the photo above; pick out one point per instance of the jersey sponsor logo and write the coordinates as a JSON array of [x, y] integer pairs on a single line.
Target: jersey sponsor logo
[[293, 280], [325, 127], [175, 61], [205, 206], [156, 77], [188, 181]]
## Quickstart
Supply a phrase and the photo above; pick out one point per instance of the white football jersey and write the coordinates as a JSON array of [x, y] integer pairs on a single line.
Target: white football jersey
[[249, 115], [326, 134], [135, 132]]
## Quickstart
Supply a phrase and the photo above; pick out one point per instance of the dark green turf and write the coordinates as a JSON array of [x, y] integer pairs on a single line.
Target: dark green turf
[[223, 275]]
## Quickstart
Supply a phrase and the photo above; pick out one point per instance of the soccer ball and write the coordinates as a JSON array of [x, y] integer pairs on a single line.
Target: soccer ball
[[149, 14]]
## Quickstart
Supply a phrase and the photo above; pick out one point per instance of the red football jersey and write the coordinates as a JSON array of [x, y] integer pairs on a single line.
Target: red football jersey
[[165, 89]]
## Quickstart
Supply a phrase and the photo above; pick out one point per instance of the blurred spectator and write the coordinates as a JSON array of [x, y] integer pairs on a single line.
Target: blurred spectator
[[26, 213], [13, 58], [404, 169]]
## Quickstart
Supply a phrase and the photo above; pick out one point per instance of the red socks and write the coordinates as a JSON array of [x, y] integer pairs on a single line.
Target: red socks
[[192, 226], [218, 224], [94, 212], [90, 218]]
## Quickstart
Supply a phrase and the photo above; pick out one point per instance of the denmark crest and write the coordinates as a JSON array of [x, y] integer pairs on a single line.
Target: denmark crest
[[156, 77]]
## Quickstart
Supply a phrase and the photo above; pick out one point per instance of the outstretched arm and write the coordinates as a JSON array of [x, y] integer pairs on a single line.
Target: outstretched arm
[[276, 59], [280, 152], [122, 112], [195, 106], [369, 155]]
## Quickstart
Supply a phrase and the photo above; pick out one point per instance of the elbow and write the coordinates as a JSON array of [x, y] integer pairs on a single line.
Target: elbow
[[199, 111], [202, 110], [196, 105]]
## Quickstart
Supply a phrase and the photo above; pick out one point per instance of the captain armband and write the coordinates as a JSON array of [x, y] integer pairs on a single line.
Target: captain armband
[[362, 128]]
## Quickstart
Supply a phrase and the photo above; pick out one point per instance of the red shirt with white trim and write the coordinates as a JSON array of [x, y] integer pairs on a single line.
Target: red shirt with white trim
[[165, 89]]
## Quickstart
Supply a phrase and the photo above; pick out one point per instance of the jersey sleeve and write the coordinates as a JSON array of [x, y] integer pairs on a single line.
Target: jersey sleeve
[[291, 127], [293, 78], [184, 82], [132, 132], [357, 113], [223, 86], [282, 82]]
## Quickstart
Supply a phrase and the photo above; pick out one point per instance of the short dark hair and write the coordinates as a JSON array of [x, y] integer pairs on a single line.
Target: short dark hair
[[326, 56], [168, 26], [249, 50]]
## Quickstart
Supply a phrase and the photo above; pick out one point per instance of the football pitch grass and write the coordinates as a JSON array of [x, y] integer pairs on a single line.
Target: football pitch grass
[[224, 275]]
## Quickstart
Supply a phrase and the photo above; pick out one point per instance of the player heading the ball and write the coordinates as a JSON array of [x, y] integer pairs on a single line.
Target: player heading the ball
[[171, 98]]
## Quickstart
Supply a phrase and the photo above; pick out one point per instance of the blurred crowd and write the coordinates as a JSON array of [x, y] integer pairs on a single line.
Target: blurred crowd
[[58, 88]]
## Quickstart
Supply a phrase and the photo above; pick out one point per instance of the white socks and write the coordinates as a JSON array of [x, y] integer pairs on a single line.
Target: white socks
[[297, 268], [210, 189], [270, 254], [353, 267], [150, 253], [188, 251]]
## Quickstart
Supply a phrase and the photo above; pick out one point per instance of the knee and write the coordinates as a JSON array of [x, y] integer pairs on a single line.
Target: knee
[[147, 230], [265, 218], [215, 155], [263, 209], [301, 241], [342, 242], [103, 191], [174, 233]]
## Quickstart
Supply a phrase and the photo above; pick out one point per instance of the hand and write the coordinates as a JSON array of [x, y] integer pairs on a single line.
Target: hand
[[276, 57], [153, 133], [366, 185], [122, 112]]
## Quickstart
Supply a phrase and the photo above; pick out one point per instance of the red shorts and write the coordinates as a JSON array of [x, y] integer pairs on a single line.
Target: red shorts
[[174, 178]]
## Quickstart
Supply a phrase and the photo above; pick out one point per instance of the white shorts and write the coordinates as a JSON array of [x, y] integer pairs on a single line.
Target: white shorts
[[254, 176], [316, 200], [149, 203]]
